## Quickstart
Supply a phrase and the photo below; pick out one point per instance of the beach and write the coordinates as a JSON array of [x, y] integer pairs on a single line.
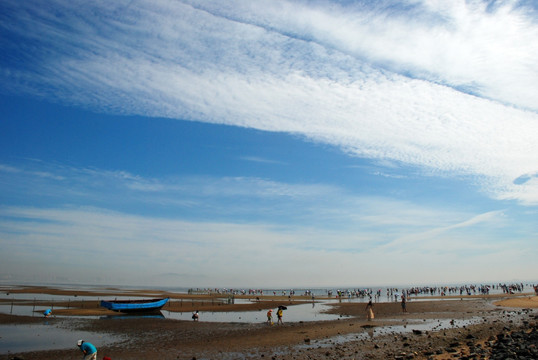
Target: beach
[[432, 328]]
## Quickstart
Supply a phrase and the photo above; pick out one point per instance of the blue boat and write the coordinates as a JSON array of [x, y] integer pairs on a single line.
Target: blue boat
[[129, 306]]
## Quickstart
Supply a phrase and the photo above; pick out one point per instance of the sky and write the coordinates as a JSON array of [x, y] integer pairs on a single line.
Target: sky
[[262, 144]]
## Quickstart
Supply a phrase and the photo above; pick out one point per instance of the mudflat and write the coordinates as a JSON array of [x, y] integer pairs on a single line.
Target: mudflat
[[392, 334]]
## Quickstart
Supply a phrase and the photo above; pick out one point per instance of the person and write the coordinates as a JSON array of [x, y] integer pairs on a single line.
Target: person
[[47, 313], [370, 310], [270, 317], [404, 304], [279, 314], [89, 351], [195, 315]]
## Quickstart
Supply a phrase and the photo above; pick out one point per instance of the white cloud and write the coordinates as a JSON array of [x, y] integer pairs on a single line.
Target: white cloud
[[379, 82], [475, 44], [261, 160], [83, 243], [444, 239]]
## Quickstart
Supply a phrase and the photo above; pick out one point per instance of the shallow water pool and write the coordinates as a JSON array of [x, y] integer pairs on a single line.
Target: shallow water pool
[[295, 313], [47, 336]]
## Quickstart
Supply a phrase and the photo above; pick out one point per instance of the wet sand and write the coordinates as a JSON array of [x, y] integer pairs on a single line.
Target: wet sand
[[351, 337]]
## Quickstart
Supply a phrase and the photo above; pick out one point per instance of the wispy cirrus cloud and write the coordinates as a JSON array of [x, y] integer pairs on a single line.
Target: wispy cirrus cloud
[[261, 160], [447, 87], [478, 46]]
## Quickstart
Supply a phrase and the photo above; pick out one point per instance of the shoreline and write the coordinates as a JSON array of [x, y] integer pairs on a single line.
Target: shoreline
[[351, 336], [179, 302]]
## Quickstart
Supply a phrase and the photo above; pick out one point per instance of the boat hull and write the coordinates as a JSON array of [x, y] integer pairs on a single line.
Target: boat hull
[[134, 306]]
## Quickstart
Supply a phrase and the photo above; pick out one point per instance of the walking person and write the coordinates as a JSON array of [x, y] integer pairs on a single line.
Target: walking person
[[404, 304], [279, 315], [89, 351], [370, 311], [270, 317]]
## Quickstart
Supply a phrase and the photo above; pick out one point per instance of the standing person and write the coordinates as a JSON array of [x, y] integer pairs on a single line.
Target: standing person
[[370, 311], [279, 314], [404, 304], [270, 317], [89, 351]]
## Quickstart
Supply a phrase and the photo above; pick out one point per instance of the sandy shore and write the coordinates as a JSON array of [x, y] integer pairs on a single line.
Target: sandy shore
[[351, 337]]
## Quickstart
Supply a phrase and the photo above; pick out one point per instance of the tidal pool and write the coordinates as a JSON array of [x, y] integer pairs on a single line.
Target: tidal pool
[[47, 336]]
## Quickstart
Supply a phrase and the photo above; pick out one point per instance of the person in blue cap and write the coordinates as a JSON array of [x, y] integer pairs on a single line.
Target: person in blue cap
[[89, 351]]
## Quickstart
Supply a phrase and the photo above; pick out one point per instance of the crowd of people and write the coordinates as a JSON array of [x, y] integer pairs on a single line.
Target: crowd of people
[[392, 293], [403, 295]]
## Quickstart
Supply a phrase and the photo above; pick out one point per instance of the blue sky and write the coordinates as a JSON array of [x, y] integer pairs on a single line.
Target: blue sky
[[268, 143]]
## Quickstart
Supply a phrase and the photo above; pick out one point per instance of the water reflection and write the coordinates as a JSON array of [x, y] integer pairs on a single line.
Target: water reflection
[[407, 327], [46, 336], [153, 315], [296, 313]]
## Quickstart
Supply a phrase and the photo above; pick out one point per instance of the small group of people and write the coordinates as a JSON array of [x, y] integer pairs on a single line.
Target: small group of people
[[279, 315]]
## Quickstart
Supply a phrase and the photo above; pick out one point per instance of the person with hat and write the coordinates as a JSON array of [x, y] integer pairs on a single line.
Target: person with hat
[[270, 317], [89, 351]]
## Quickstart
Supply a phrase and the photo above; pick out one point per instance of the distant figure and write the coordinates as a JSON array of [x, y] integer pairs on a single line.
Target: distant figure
[[370, 311], [404, 304], [270, 317], [279, 315], [47, 313], [195, 315], [89, 351]]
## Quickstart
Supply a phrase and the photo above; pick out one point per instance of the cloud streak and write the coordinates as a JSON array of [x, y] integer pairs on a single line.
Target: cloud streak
[[448, 87], [265, 227], [51, 237]]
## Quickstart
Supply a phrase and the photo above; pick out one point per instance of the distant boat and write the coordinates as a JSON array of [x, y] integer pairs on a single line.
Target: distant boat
[[129, 306]]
